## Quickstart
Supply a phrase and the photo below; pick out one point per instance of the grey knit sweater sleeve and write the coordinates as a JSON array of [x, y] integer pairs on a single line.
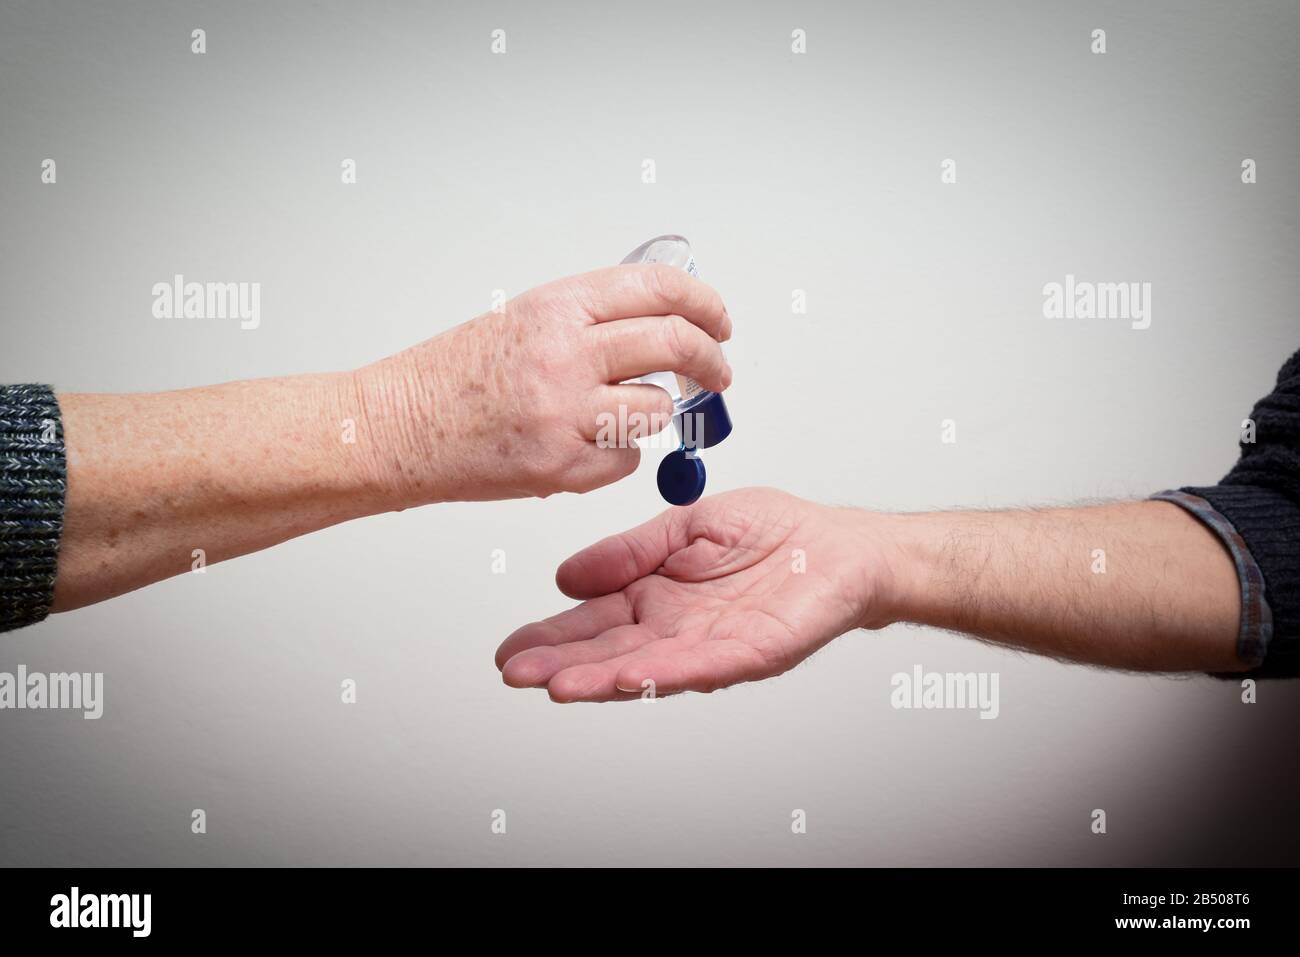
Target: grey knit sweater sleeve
[[33, 488]]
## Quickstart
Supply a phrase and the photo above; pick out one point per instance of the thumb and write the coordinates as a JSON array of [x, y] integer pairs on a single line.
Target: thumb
[[617, 561]]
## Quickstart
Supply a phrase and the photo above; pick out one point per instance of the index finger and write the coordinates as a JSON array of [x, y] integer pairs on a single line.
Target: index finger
[[623, 292]]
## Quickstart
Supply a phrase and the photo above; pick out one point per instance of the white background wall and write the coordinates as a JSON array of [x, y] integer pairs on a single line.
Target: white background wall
[[817, 172]]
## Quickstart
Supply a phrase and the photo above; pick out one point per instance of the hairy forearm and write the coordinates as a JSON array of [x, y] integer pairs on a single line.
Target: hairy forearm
[[159, 481], [1138, 585]]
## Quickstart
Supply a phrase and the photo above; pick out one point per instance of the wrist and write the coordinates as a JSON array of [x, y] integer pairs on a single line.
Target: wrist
[[401, 452], [883, 565], [344, 465], [904, 567]]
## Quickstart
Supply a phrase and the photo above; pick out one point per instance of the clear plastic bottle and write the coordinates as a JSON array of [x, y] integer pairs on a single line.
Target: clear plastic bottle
[[699, 416]]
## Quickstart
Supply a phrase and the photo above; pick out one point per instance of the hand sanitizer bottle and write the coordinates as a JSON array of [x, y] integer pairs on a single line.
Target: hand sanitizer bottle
[[700, 416]]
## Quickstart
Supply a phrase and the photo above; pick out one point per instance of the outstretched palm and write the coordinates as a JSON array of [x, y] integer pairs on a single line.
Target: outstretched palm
[[738, 587]]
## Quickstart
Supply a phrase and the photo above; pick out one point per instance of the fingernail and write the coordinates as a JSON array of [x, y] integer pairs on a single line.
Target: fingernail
[[727, 326]]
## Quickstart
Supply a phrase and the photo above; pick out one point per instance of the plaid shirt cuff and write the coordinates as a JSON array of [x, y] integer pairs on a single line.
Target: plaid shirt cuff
[[1256, 618]]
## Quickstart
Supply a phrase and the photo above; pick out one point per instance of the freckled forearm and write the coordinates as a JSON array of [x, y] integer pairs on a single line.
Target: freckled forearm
[[1139, 585], [225, 469]]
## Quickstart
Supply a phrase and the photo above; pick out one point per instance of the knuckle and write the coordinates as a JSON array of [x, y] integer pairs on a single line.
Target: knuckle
[[682, 343], [716, 306], [598, 350], [553, 351], [666, 284], [574, 297]]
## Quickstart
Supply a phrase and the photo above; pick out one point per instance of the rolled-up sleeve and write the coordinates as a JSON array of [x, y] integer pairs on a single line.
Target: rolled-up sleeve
[[1255, 633], [1255, 512], [33, 492]]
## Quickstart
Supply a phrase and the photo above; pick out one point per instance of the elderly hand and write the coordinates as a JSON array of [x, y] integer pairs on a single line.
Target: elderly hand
[[509, 404]]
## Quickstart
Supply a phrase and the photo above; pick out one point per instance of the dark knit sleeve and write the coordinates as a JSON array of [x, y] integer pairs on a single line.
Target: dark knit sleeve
[[1260, 497], [33, 487]]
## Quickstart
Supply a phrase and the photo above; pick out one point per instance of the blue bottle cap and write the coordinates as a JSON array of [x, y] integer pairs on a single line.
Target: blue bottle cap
[[681, 477], [709, 423]]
